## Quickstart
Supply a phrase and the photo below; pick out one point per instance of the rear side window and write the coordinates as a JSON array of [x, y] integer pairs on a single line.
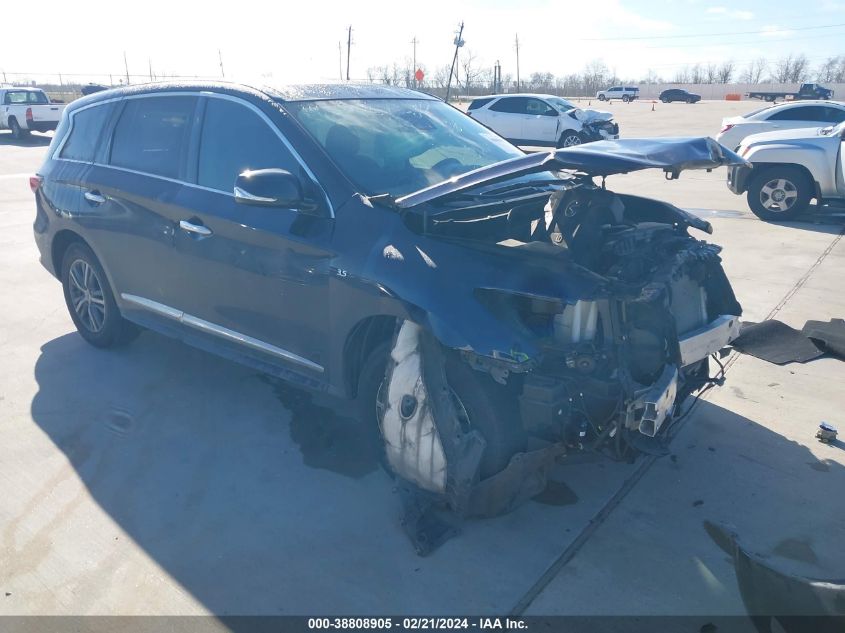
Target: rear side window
[[477, 103], [152, 135], [87, 125], [235, 139], [512, 105]]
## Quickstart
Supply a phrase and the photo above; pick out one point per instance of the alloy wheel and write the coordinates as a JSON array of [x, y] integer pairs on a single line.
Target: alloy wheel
[[778, 195], [571, 139], [86, 295]]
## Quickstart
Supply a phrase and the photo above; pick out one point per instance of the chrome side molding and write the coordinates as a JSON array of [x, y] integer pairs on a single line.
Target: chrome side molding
[[219, 330]]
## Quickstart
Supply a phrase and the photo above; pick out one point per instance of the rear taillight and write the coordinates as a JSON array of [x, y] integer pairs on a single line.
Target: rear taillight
[[29, 114], [726, 127], [35, 182]]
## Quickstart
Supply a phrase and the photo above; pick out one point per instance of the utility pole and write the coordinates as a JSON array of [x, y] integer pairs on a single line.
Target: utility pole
[[220, 58], [348, 49], [458, 43], [150, 63], [340, 60], [4, 76], [126, 67], [517, 62], [414, 69]]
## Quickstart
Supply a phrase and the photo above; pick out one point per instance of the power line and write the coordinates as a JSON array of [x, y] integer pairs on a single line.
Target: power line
[[668, 37]]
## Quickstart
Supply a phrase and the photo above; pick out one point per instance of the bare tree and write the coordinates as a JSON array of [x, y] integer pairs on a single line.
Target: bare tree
[[441, 76], [652, 78], [754, 72], [696, 74], [791, 69], [725, 72], [682, 76], [832, 70], [711, 73], [472, 72]]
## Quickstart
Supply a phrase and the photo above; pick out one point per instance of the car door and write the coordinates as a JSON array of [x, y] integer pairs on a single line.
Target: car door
[[252, 276], [132, 192], [541, 122], [507, 117]]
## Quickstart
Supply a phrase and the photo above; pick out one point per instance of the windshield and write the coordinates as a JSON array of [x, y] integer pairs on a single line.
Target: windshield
[[561, 103], [398, 146]]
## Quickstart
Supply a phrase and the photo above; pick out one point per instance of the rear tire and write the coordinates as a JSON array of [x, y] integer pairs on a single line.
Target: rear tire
[[602, 98], [779, 193], [18, 133], [90, 300], [665, 100], [491, 408]]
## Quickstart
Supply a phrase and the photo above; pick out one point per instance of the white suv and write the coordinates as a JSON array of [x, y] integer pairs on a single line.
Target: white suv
[[626, 93], [542, 120]]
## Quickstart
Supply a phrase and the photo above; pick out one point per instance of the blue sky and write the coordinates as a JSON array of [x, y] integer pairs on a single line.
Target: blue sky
[[291, 42]]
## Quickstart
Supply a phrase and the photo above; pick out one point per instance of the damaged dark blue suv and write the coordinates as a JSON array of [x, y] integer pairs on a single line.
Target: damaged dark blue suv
[[379, 245]]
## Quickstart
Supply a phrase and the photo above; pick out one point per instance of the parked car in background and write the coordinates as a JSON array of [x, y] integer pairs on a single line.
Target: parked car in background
[[679, 94], [544, 120], [789, 168], [785, 116], [626, 93], [24, 110], [806, 91], [296, 230]]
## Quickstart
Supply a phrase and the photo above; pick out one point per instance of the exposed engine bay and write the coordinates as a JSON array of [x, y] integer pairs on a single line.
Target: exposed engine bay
[[614, 368]]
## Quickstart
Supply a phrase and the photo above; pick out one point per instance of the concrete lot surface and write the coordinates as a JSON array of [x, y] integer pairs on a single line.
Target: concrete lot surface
[[157, 479]]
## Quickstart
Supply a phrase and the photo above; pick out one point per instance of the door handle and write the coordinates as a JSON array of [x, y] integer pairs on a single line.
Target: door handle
[[197, 229], [95, 197]]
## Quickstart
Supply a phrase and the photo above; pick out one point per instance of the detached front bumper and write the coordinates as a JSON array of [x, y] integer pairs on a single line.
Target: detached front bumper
[[701, 343], [738, 177]]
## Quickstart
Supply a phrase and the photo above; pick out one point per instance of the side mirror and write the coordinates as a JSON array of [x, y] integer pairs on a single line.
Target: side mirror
[[271, 188]]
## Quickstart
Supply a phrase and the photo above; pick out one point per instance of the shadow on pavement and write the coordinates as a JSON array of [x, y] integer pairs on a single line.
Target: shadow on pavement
[[33, 140], [198, 462]]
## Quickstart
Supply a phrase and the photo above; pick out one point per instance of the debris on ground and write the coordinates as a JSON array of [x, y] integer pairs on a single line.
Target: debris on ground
[[800, 605], [826, 433], [777, 343]]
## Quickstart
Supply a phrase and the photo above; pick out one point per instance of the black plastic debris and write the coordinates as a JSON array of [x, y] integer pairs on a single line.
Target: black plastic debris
[[798, 604], [776, 342], [828, 336]]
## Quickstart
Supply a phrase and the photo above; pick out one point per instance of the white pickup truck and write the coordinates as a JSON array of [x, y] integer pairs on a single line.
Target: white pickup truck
[[25, 110], [788, 168]]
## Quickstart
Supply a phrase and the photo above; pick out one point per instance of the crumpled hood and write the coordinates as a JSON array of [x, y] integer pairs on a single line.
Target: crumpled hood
[[601, 158], [591, 116]]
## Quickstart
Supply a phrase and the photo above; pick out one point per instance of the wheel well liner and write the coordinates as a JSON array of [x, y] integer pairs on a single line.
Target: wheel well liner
[[361, 340], [762, 168]]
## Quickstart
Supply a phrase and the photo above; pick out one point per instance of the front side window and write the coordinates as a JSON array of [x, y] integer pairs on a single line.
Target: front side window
[[152, 135], [235, 139], [85, 133], [536, 106], [398, 146]]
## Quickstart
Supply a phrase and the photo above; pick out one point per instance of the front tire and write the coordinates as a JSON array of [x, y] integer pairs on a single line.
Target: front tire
[[780, 193], [602, 98], [490, 408], [626, 98], [90, 300], [570, 138]]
